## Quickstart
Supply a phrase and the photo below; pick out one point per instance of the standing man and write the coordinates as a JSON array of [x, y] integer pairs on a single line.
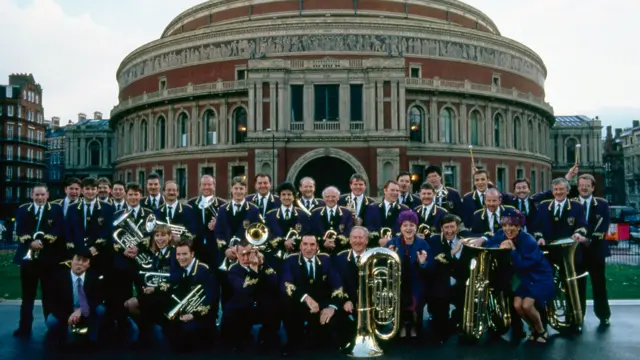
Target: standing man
[[72, 190], [446, 197], [486, 221], [474, 200], [281, 221], [39, 229], [118, 194], [104, 190], [308, 194], [358, 187], [429, 213], [264, 199], [154, 199], [174, 213], [206, 207], [385, 214], [405, 197], [331, 217]]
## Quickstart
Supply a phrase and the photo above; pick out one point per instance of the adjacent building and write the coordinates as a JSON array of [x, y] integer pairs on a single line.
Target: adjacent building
[[613, 162], [22, 132], [630, 139], [88, 147], [55, 157], [578, 138]]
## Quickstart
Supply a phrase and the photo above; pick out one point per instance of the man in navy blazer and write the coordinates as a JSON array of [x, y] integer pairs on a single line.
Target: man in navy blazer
[[154, 199], [206, 207], [446, 197], [486, 221], [175, 213], [76, 299], [357, 198], [474, 200], [263, 199], [405, 197], [331, 217], [429, 213], [307, 195], [385, 214], [37, 256]]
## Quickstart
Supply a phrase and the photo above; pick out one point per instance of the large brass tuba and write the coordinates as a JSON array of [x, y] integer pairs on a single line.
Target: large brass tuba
[[189, 304], [484, 307], [565, 312], [379, 277], [128, 235]]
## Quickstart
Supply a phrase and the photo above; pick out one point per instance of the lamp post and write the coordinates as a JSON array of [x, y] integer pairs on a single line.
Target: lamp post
[[273, 154]]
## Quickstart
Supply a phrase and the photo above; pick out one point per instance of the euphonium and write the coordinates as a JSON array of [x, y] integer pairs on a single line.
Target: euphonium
[[484, 307], [565, 311], [128, 235], [33, 254], [154, 279], [226, 263], [151, 222], [189, 304], [379, 276]]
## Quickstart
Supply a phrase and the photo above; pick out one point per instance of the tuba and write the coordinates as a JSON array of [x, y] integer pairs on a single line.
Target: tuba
[[226, 263], [484, 307], [152, 222], [565, 311], [154, 279], [190, 304], [33, 254], [379, 277], [128, 235]]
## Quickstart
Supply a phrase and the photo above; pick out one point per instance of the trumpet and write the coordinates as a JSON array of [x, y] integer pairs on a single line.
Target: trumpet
[[226, 263], [190, 304], [424, 229], [151, 222], [154, 279], [303, 208], [33, 254]]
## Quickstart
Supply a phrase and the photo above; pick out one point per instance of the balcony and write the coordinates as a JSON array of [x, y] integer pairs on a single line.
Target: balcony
[[23, 180], [24, 159], [23, 140]]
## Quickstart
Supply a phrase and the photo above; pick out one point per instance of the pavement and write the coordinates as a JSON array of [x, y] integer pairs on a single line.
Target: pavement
[[620, 341]]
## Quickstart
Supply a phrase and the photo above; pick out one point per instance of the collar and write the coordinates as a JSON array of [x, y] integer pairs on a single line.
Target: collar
[[587, 200], [311, 199], [428, 207], [164, 250], [354, 197], [479, 193], [285, 208], [265, 197], [556, 203], [115, 202], [36, 206], [92, 203], [190, 266], [441, 189], [234, 203], [205, 199], [386, 203], [335, 208], [306, 261], [135, 209], [497, 212], [157, 197], [75, 277], [173, 206]]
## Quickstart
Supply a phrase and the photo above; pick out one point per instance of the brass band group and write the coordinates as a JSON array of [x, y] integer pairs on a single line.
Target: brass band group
[[341, 272]]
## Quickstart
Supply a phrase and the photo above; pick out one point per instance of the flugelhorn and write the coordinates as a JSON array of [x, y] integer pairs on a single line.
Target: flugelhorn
[[33, 254], [154, 279], [151, 222]]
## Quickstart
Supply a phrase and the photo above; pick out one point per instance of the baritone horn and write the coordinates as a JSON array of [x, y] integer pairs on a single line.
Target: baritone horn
[[128, 235], [379, 277], [33, 254]]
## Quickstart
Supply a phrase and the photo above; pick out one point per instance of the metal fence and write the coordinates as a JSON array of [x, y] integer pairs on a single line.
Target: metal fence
[[625, 252]]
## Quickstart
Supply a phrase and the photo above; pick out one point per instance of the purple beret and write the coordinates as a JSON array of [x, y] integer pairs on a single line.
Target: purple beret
[[512, 216], [407, 215]]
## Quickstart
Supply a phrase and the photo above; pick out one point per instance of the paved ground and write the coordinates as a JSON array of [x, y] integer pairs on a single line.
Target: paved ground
[[621, 341]]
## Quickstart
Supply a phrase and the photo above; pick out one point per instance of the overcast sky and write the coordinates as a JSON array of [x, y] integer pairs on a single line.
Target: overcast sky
[[74, 47]]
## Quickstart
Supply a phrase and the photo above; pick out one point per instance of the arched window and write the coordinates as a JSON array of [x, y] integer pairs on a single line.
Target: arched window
[[497, 124], [182, 129], [540, 139], [161, 132], [210, 123], [240, 124], [94, 153], [416, 124], [474, 127], [143, 135], [446, 125], [516, 133], [571, 150], [130, 138], [530, 135]]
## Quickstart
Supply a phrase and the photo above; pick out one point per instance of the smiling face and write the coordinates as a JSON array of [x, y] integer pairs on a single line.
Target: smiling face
[[308, 188], [408, 229], [357, 187], [510, 230], [450, 230], [72, 191], [89, 193], [118, 192], [434, 179], [358, 240], [426, 196], [286, 197], [39, 195], [559, 192], [585, 188], [153, 187], [308, 246], [492, 201], [391, 192], [207, 186], [404, 182], [133, 198], [263, 185], [522, 190], [331, 197], [481, 181], [161, 239], [104, 190], [170, 192], [184, 255]]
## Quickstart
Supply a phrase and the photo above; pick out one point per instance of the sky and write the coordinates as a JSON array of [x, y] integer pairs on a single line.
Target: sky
[[74, 47]]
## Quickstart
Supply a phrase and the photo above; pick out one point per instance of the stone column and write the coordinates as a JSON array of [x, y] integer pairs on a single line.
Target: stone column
[[402, 106], [394, 105], [509, 129], [308, 106], [488, 126], [464, 125], [273, 119], [259, 102], [380, 103], [559, 157], [105, 150], [583, 149], [345, 101], [369, 113], [171, 128], [83, 152], [433, 121], [194, 122], [251, 114], [283, 104]]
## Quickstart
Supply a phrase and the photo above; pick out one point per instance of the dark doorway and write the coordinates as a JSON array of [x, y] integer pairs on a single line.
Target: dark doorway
[[327, 171]]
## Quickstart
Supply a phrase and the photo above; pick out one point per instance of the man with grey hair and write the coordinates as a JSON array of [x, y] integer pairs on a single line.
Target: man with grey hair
[[486, 221], [331, 217], [308, 194]]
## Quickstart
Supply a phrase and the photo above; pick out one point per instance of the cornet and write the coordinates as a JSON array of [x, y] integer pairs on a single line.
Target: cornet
[[33, 254], [154, 279], [151, 222]]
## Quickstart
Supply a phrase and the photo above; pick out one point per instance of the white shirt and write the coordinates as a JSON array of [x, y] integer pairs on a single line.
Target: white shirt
[[428, 209], [89, 207], [329, 210], [555, 206], [136, 210], [171, 209], [358, 200], [190, 266], [387, 206], [235, 207], [284, 210], [163, 251], [119, 204], [155, 200]]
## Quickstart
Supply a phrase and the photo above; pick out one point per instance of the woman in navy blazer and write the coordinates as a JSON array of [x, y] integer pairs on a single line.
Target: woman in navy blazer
[[532, 269], [413, 255]]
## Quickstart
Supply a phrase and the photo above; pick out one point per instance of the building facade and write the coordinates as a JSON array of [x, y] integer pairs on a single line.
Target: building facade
[[613, 162], [374, 87], [88, 148], [578, 138], [630, 139], [55, 157], [22, 132]]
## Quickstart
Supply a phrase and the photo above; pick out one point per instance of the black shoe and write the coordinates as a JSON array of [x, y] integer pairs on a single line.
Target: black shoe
[[22, 333], [605, 322]]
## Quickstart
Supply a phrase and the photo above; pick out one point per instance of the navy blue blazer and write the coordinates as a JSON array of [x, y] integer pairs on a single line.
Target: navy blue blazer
[[229, 225], [272, 203], [147, 203], [529, 262], [98, 232], [180, 284], [366, 201], [183, 215], [205, 245], [528, 207], [450, 200], [61, 203], [341, 223], [444, 267], [250, 287], [597, 225], [480, 223], [376, 217], [315, 203], [570, 222], [325, 288], [433, 218], [411, 200], [417, 271], [51, 224], [279, 227], [345, 265]]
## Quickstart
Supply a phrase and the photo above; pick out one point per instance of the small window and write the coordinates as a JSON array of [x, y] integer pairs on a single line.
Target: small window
[[241, 74], [237, 170], [501, 179], [496, 80], [141, 181], [356, 102], [181, 179], [160, 173], [163, 84], [450, 176], [297, 103], [519, 173], [415, 73]]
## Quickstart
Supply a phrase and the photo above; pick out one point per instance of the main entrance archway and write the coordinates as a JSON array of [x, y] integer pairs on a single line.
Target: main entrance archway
[[328, 167]]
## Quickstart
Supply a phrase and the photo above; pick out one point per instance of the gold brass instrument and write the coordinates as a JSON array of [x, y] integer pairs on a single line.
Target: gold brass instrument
[[330, 235], [33, 254], [154, 279], [79, 329], [351, 205], [473, 163], [565, 311], [257, 234], [385, 231], [484, 307], [151, 222], [302, 207], [128, 235], [189, 304], [425, 230], [379, 277], [226, 263], [295, 236]]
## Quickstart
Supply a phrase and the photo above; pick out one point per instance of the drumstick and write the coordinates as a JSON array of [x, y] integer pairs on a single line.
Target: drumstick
[[577, 154], [473, 163]]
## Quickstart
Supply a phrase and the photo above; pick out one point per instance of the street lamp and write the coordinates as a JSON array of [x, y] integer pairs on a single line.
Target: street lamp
[[273, 153]]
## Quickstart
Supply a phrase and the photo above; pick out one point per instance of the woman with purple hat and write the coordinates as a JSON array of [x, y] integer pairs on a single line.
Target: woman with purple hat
[[536, 286], [413, 255]]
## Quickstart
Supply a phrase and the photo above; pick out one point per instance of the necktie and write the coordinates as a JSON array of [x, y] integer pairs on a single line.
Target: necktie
[[118, 207], [86, 213], [185, 273], [287, 214], [557, 213], [425, 212], [357, 259], [310, 269], [491, 222], [38, 216], [306, 203], [586, 210], [520, 206], [402, 199], [82, 298], [171, 212], [481, 200], [260, 203], [237, 208]]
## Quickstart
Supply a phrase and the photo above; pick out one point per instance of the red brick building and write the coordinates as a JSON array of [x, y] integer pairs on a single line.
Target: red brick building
[[326, 88]]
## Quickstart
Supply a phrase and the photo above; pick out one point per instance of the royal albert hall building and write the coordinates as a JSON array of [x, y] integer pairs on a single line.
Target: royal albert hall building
[[326, 88]]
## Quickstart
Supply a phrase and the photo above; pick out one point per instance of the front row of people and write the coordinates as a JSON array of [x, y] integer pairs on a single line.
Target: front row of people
[[312, 289]]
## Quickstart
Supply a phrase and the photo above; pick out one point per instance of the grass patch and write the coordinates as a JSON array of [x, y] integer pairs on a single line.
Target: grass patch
[[9, 276]]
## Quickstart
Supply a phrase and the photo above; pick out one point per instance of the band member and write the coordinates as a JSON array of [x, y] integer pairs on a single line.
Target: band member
[[206, 206], [39, 225], [405, 197], [72, 190], [446, 197], [282, 221], [118, 194], [263, 198], [188, 331], [255, 297], [308, 194], [356, 197], [446, 285], [331, 217], [385, 214], [596, 249], [89, 227], [76, 300], [474, 201], [154, 199], [525, 203], [175, 213], [104, 190], [561, 217], [413, 257], [429, 213], [536, 286], [314, 292], [486, 221]]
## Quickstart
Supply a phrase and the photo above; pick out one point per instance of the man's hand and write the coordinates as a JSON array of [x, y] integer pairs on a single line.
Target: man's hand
[[326, 314], [329, 244], [289, 245], [474, 170], [312, 304], [212, 224], [507, 244], [231, 254], [131, 252], [478, 242], [348, 307], [457, 248], [541, 242], [75, 317], [572, 172], [579, 238], [36, 245], [93, 250], [422, 257], [186, 318], [149, 290]]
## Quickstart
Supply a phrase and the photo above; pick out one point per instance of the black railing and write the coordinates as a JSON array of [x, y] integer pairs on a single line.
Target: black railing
[[24, 140], [625, 252], [25, 159]]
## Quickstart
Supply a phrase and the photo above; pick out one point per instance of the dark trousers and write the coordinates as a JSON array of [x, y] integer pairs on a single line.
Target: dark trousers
[[152, 309], [440, 317], [31, 273], [119, 284], [238, 322], [596, 266], [319, 335], [191, 335]]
